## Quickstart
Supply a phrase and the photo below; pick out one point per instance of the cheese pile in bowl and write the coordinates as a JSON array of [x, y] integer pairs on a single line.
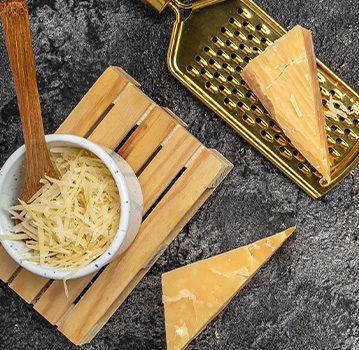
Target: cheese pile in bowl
[[69, 222]]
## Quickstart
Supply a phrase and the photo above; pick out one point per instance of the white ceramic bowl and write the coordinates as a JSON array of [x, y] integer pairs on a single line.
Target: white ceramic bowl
[[12, 177]]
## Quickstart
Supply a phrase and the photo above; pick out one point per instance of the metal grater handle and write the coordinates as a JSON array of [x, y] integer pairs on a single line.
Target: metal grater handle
[[156, 5]]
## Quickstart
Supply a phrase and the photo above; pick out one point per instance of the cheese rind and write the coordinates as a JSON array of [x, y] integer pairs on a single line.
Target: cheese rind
[[194, 294], [284, 78]]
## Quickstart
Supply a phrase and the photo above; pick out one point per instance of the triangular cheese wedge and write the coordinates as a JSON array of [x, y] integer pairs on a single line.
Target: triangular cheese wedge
[[194, 294], [284, 78]]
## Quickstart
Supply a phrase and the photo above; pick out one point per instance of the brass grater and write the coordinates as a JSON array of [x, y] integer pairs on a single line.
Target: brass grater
[[208, 50]]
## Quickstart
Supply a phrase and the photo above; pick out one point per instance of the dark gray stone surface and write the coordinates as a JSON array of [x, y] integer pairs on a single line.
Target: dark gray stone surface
[[307, 295]]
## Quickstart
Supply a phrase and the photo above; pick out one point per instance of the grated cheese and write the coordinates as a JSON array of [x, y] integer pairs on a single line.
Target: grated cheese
[[69, 222]]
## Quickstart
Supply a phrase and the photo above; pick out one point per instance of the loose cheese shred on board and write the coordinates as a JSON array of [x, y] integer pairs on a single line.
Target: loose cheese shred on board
[[69, 222]]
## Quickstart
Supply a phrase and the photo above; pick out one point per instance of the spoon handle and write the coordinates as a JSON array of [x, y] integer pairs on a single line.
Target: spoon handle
[[15, 22]]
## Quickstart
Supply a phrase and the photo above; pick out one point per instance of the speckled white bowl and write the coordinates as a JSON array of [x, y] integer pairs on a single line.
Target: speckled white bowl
[[12, 177]]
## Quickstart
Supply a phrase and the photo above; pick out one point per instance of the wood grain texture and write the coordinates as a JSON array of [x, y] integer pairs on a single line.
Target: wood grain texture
[[8, 265], [177, 174], [164, 217], [93, 105], [28, 285], [15, 22]]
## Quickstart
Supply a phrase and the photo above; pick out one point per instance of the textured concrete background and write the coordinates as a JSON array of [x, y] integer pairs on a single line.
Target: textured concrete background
[[307, 295]]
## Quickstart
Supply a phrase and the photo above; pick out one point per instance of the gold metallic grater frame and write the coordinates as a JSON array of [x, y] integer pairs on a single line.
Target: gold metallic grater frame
[[207, 52]]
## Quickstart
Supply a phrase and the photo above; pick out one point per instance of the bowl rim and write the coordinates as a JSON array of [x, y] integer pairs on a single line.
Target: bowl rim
[[105, 155]]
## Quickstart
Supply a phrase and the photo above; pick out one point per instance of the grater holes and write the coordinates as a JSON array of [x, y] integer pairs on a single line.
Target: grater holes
[[303, 168], [298, 156], [284, 152], [261, 122], [224, 90], [265, 41], [209, 51], [236, 58], [210, 86], [251, 96], [355, 122], [214, 64], [243, 107], [280, 139], [248, 26], [218, 42], [201, 61], [267, 136], [227, 67], [226, 32], [244, 48], [193, 71], [247, 119], [234, 22], [219, 77], [237, 93], [229, 103], [243, 13], [206, 74], [230, 44], [314, 171], [253, 39], [222, 55]]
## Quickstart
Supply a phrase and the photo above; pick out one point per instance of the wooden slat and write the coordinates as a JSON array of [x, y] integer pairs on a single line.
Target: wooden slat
[[94, 103], [80, 321], [146, 138], [129, 107], [28, 285], [53, 303], [85, 114], [166, 165], [8, 265], [156, 145], [227, 166]]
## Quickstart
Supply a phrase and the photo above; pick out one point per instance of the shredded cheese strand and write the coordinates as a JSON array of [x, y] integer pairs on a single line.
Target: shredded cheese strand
[[69, 222]]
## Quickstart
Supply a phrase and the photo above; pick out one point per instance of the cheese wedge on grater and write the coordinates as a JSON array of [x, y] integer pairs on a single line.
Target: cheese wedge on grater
[[194, 294], [284, 78]]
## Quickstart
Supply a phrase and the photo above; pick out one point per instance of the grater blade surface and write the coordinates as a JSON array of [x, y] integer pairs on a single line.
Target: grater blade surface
[[207, 52]]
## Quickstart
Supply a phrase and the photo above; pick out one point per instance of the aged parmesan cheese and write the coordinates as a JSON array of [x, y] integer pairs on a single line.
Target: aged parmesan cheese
[[70, 222], [194, 294], [284, 78]]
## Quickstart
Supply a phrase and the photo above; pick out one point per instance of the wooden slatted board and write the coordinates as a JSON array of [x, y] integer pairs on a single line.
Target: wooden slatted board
[[177, 174]]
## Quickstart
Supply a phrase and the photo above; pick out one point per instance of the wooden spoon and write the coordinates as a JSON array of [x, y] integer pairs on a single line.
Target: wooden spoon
[[15, 22]]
